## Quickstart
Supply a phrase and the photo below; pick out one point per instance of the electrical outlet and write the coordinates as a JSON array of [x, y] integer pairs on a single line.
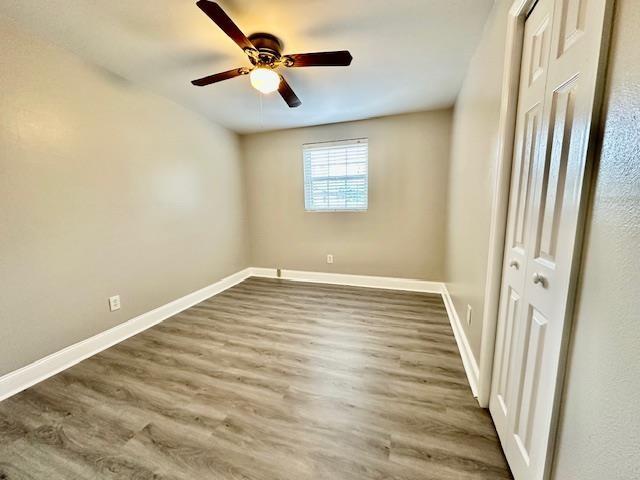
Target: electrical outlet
[[468, 314], [114, 303], [329, 258]]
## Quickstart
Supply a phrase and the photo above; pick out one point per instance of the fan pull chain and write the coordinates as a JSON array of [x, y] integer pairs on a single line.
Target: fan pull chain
[[261, 110]]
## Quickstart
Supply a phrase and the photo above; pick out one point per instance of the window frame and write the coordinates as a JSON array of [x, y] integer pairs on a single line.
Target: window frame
[[305, 183]]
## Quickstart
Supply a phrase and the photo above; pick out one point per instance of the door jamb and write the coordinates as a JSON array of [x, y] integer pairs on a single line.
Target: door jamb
[[502, 182]]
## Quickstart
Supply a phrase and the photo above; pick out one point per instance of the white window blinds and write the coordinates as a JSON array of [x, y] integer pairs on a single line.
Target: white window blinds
[[336, 175]]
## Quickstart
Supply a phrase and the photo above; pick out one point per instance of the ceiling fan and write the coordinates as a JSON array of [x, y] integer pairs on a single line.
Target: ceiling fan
[[265, 54]]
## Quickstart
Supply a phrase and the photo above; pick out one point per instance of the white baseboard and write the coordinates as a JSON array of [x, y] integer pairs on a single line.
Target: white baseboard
[[389, 283], [18, 380], [468, 360]]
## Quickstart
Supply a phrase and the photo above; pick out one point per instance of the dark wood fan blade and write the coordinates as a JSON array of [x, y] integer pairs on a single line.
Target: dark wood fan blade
[[340, 58], [287, 93], [218, 77], [215, 13]]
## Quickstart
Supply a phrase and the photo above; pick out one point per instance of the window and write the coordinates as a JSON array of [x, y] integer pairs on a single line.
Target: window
[[336, 175]]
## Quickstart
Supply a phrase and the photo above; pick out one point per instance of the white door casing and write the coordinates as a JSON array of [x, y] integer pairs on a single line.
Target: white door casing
[[544, 227]]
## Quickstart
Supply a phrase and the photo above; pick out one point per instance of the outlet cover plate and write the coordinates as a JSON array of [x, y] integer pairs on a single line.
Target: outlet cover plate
[[114, 303]]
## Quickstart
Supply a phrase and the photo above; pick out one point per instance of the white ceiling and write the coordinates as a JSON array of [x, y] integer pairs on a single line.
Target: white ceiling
[[409, 55]]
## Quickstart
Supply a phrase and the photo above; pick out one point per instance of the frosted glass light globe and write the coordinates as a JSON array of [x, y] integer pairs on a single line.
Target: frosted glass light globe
[[264, 79]]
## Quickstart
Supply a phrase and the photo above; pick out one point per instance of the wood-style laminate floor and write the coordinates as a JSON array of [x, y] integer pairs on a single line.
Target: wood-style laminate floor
[[268, 380]]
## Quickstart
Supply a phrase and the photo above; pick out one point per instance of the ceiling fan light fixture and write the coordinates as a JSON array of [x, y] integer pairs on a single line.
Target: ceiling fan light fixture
[[264, 80]]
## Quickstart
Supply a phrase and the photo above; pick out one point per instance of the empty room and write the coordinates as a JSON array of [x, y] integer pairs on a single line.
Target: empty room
[[320, 240]]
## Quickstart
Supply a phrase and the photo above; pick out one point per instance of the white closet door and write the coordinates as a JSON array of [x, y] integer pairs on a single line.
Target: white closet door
[[544, 235], [528, 139]]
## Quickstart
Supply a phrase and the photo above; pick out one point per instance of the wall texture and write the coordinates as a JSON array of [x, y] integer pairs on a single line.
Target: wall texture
[[402, 233], [104, 189], [600, 425], [471, 175]]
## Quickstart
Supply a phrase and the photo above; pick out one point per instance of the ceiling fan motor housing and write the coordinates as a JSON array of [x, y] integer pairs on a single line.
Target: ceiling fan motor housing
[[269, 47]]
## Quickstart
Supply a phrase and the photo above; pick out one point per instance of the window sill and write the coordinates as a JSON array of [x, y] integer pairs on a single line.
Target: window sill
[[358, 210]]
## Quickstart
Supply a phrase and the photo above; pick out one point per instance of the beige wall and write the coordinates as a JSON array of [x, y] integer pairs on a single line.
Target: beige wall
[[402, 233], [600, 419], [104, 189], [471, 175]]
